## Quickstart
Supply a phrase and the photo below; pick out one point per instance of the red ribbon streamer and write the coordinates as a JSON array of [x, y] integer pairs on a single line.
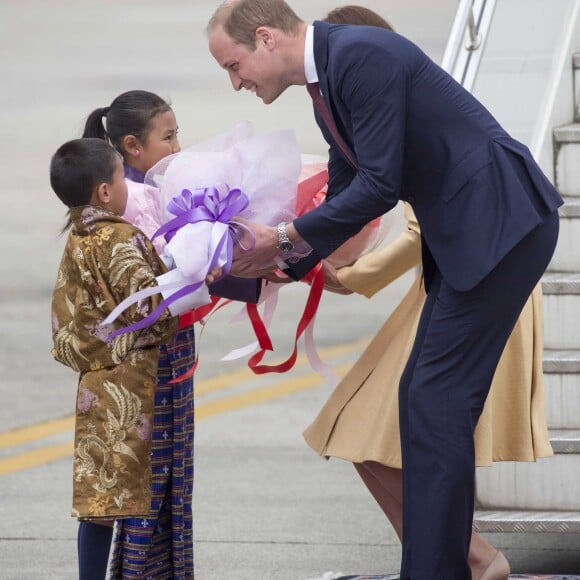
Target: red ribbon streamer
[[316, 276], [259, 327], [195, 315]]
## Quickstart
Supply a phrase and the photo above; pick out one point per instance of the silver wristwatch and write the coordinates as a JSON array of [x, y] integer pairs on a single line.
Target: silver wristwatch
[[284, 244]]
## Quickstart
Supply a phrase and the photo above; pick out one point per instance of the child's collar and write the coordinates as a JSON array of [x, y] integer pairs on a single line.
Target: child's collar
[[134, 174]]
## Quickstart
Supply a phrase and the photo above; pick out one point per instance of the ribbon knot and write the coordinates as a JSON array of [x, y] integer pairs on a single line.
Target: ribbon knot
[[216, 203]]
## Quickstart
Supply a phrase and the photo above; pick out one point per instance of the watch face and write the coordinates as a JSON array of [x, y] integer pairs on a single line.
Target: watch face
[[285, 246]]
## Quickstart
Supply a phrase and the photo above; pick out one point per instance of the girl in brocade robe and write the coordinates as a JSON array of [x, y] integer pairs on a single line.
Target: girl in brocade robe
[[105, 260]]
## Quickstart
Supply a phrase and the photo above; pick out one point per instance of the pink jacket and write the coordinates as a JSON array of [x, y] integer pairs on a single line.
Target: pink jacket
[[144, 211]]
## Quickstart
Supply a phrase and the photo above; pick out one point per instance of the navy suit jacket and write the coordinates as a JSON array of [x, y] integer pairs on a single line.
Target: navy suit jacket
[[418, 136]]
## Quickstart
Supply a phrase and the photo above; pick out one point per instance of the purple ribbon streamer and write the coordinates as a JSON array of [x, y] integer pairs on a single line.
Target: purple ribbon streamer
[[152, 317]]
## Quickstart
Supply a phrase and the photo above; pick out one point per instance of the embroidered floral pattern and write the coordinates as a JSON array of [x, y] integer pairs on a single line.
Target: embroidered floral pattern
[[86, 399], [144, 427], [98, 505], [104, 235]]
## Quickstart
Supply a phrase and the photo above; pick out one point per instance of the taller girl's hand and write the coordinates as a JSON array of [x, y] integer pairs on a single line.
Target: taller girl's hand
[[213, 275]]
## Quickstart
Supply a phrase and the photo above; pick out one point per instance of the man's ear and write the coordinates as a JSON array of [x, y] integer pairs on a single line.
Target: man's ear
[[265, 37], [130, 146]]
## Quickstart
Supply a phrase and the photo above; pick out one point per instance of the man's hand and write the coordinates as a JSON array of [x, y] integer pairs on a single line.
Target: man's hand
[[331, 282], [278, 277], [249, 262]]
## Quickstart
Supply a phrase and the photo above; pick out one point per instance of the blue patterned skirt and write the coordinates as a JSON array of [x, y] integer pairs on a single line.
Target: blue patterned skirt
[[161, 546]]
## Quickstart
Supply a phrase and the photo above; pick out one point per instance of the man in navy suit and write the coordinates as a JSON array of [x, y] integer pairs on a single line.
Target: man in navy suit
[[400, 128]]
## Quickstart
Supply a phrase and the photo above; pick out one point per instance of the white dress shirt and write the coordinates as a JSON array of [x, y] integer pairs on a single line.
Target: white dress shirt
[[309, 64]]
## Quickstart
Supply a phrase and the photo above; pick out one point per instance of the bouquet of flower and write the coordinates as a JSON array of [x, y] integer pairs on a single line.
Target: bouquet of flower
[[197, 193], [235, 174]]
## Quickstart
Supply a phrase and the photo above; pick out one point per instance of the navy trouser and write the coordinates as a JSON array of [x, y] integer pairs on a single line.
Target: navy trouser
[[459, 342]]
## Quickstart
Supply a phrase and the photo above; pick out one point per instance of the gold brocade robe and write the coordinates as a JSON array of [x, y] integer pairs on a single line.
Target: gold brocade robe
[[105, 260]]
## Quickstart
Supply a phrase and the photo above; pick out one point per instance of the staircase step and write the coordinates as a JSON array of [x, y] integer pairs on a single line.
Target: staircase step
[[561, 310], [565, 440], [571, 208], [561, 283], [566, 258], [567, 133], [561, 361], [566, 155], [528, 521], [547, 484], [562, 388]]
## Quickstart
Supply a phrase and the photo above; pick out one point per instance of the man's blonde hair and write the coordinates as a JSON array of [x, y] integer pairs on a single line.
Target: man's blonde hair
[[241, 18]]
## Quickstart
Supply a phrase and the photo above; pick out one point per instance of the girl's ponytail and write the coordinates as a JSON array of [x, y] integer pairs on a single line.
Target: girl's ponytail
[[129, 114], [94, 125]]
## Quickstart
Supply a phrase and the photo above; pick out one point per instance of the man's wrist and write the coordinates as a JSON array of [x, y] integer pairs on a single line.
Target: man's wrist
[[293, 234], [273, 235], [285, 246]]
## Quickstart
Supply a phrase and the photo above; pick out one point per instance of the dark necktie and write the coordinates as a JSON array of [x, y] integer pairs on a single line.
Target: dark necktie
[[320, 105]]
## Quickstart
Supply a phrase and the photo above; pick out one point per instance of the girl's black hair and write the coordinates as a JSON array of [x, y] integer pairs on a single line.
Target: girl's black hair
[[129, 114], [78, 167]]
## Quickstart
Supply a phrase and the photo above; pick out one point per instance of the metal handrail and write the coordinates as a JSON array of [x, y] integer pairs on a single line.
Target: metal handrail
[[464, 19], [474, 34]]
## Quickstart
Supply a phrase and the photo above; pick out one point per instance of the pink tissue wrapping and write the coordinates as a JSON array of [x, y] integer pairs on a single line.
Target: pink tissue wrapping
[[312, 192], [144, 211]]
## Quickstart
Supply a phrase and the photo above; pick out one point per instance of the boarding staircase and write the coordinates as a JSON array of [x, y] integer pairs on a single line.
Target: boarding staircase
[[543, 496]]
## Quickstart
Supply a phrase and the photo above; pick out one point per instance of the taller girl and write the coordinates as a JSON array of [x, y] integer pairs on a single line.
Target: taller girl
[[143, 129]]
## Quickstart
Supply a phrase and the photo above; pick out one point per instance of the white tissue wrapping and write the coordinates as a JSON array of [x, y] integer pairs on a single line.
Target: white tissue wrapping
[[265, 167]]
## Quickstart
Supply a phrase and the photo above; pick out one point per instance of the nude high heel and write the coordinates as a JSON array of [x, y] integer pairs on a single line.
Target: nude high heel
[[498, 568]]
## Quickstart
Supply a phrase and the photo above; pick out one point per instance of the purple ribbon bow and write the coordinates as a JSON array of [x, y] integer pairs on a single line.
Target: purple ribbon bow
[[217, 203]]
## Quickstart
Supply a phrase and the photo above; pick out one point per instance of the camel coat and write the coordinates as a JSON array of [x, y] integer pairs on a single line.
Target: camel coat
[[360, 420]]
